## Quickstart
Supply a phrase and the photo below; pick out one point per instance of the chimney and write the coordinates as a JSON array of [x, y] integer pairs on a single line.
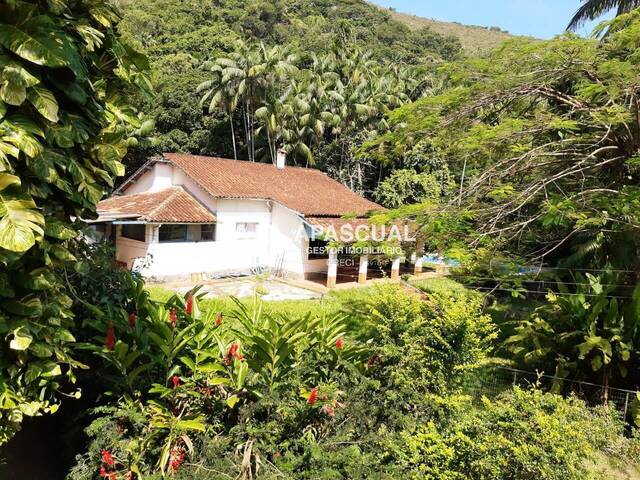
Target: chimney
[[281, 158]]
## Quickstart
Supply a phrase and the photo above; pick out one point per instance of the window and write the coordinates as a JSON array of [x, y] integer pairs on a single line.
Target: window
[[246, 229], [208, 232], [318, 249], [134, 231], [173, 233]]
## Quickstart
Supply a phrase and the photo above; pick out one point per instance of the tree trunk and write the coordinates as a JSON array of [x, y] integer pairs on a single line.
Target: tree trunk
[[605, 385], [233, 138], [464, 168]]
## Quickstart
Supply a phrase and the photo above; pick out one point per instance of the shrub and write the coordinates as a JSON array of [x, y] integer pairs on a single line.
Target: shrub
[[522, 434], [425, 347]]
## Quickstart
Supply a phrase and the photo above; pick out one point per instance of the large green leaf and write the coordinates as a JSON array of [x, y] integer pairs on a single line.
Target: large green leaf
[[21, 339], [35, 42], [45, 102], [20, 223]]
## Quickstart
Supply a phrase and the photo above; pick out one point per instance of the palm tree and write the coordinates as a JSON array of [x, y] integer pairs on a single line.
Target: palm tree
[[221, 96], [592, 9]]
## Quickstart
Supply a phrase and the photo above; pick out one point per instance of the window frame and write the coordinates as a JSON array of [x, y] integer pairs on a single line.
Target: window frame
[[126, 226], [317, 243], [213, 232], [247, 235], [185, 236]]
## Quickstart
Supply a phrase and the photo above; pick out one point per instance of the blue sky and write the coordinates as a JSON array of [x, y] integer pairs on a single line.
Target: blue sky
[[538, 18]]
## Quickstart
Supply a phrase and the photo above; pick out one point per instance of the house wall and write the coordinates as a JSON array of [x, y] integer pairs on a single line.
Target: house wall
[[129, 251], [278, 243]]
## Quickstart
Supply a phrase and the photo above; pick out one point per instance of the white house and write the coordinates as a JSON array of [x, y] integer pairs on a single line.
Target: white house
[[185, 216]]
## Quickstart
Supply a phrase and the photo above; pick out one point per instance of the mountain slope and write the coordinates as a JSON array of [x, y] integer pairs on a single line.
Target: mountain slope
[[474, 39]]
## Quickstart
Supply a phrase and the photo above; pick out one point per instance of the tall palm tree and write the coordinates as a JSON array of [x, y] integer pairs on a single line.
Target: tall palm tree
[[592, 9]]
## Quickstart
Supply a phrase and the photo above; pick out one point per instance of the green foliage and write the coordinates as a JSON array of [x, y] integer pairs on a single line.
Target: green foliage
[[404, 187], [522, 434], [188, 372], [353, 62], [426, 347], [589, 332], [64, 128], [542, 148]]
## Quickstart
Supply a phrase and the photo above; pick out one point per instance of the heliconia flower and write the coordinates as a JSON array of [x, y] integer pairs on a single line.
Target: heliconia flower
[[189, 307], [132, 319], [173, 317], [234, 352], [219, 319], [176, 458], [176, 381], [313, 396], [107, 458], [339, 344], [110, 339], [103, 471]]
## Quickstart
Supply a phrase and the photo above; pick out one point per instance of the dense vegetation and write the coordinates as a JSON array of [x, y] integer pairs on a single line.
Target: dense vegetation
[[197, 392], [542, 139], [64, 127], [528, 154], [314, 78]]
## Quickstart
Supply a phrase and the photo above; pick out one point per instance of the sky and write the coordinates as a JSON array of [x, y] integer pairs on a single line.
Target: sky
[[537, 18]]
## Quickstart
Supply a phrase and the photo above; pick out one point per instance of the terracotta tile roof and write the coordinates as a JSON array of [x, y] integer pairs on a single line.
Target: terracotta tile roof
[[336, 222], [305, 190], [170, 205]]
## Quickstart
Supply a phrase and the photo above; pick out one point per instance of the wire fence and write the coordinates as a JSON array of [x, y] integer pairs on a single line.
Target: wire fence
[[493, 381]]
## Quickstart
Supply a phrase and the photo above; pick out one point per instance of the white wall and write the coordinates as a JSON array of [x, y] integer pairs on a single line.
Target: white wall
[[287, 241], [160, 176], [128, 250]]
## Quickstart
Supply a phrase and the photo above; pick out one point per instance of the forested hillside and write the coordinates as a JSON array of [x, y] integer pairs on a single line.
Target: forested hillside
[[349, 63]]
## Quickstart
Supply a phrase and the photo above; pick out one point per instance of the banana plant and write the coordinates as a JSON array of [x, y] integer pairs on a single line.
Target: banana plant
[[590, 329]]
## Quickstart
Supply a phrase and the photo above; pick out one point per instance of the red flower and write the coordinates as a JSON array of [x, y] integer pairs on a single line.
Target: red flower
[[176, 381], [107, 458], [219, 319], [113, 476], [234, 352], [339, 344], [132, 319], [110, 339], [173, 317], [103, 472], [313, 396], [189, 307], [176, 459]]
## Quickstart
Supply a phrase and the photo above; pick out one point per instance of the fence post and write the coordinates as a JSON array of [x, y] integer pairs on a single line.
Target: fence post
[[515, 377], [626, 407]]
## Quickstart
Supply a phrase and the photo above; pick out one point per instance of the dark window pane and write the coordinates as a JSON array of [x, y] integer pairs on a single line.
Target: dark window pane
[[134, 231], [208, 232], [318, 249], [173, 233]]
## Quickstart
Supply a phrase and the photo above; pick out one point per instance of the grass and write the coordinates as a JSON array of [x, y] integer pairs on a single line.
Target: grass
[[352, 303]]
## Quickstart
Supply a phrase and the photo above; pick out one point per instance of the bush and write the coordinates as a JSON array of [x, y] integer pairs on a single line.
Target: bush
[[522, 434]]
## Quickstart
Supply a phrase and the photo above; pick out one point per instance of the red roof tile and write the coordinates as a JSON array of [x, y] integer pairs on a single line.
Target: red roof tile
[[170, 205], [305, 190]]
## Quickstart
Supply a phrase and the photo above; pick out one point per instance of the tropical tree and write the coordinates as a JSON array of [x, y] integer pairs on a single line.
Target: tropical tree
[[543, 140], [593, 9], [64, 127]]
